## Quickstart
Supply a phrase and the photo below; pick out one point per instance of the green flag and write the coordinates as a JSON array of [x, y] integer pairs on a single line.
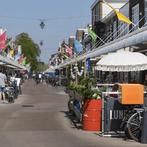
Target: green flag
[[24, 61], [92, 35], [65, 56]]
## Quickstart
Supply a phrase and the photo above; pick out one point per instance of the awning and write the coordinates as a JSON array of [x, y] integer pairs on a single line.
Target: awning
[[5, 60], [50, 69]]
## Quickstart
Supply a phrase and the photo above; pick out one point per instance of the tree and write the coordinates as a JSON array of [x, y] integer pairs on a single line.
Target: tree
[[42, 66], [30, 49]]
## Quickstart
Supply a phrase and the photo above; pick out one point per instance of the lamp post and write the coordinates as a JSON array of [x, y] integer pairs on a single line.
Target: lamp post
[[42, 25]]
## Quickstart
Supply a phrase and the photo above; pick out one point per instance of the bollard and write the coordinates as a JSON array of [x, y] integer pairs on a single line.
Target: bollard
[[144, 124]]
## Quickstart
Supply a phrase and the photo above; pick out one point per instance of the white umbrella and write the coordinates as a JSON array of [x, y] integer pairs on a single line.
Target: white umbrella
[[122, 61]]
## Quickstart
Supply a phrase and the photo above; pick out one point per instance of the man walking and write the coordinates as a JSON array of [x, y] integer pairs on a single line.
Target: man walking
[[2, 86]]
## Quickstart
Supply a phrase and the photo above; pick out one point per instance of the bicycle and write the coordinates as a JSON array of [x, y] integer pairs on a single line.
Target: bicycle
[[132, 122]]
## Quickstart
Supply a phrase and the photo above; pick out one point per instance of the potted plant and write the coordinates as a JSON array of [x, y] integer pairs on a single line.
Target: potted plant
[[74, 103], [90, 99]]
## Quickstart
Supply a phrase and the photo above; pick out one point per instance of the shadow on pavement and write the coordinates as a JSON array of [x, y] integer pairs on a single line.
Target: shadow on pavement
[[73, 119], [78, 125]]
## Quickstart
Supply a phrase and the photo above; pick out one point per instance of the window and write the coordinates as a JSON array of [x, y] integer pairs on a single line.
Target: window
[[93, 16], [145, 11], [114, 30], [97, 12], [123, 29], [135, 15]]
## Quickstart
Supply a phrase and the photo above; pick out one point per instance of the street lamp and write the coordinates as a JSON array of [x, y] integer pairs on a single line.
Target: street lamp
[[42, 25]]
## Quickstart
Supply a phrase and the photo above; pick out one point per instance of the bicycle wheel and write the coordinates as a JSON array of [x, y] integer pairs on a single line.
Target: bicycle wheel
[[134, 124]]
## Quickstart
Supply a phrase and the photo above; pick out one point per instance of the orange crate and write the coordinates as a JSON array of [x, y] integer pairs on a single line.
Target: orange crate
[[131, 93]]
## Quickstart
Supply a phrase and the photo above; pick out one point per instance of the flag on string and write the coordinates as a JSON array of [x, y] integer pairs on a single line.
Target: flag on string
[[68, 50], [19, 50], [24, 60], [3, 53], [77, 46], [92, 34], [65, 56], [11, 52], [3, 40], [120, 16], [17, 57], [20, 59], [88, 64], [10, 43], [28, 66]]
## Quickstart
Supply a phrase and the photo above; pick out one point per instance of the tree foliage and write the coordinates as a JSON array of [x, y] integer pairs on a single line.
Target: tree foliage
[[42, 66], [30, 49]]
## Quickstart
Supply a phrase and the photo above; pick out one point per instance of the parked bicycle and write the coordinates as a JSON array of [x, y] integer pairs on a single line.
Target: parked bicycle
[[132, 122]]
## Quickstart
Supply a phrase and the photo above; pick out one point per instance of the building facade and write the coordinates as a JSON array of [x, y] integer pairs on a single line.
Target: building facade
[[137, 12]]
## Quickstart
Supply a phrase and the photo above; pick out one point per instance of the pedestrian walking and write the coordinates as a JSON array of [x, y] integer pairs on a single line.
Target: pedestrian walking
[[3, 80]]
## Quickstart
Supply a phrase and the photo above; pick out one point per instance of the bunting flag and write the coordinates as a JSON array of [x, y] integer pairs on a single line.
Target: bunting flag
[[17, 53], [88, 64], [92, 34], [77, 46], [120, 16], [28, 66], [11, 52], [10, 43], [3, 53], [68, 50], [3, 40], [20, 59], [24, 61], [65, 56], [19, 50], [17, 57]]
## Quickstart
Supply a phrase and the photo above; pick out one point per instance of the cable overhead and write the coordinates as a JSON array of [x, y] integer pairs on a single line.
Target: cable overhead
[[45, 19]]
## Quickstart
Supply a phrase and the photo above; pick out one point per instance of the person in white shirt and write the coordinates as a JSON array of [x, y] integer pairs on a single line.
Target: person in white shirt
[[18, 82], [3, 79], [40, 77]]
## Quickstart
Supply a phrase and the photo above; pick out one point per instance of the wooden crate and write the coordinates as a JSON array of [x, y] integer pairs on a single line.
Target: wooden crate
[[131, 93]]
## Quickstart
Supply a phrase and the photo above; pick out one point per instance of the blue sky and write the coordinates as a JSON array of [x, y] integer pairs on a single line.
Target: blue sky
[[19, 16]]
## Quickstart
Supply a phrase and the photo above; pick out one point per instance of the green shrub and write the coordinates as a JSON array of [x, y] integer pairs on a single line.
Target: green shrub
[[85, 88]]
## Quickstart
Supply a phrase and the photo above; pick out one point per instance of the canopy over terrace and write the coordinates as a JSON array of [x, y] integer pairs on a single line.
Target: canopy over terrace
[[122, 61], [14, 64], [132, 39], [50, 69]]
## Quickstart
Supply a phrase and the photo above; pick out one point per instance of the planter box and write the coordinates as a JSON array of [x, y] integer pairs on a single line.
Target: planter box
[[92, 115]]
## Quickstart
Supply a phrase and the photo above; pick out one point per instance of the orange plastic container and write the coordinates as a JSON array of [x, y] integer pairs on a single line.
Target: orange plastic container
[[92, 115], [131, 93]]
